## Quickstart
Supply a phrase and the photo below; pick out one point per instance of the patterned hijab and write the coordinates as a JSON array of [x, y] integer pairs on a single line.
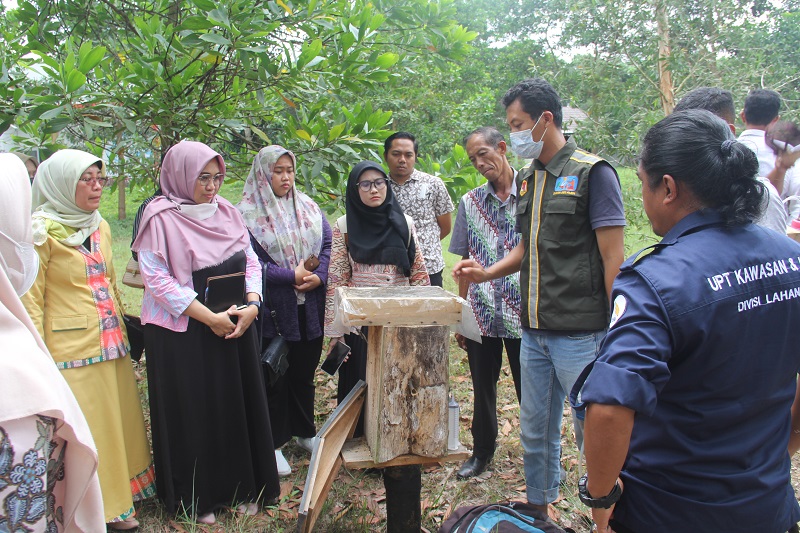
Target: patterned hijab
[[54, 199], [290, 228], [377, 235], [171, 228]]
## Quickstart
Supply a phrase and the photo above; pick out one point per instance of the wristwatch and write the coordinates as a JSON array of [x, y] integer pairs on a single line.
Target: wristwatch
[[597, 503], [257, 303]]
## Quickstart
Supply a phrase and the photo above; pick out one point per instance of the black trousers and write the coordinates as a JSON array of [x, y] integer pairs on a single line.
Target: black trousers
[[485, 361], [291, 398], [436, 278]]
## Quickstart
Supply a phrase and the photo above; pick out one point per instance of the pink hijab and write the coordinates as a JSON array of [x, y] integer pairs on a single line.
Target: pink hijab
[[185, 242]]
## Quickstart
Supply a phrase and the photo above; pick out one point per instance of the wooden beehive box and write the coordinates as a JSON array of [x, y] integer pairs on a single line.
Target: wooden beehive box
[[407, 366]]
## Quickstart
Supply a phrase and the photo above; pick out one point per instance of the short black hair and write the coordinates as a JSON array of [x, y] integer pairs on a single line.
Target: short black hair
[[761, 107], [713, 99], [490, 134], [387, 144], [698, 150], [536, 96]]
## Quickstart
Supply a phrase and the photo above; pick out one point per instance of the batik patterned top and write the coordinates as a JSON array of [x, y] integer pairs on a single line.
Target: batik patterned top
[[424, 197], [484, 231], [344, 272], [32, 488], [112, 341]]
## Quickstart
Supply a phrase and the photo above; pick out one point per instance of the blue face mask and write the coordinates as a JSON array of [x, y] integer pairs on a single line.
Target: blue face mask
[[524, 146]]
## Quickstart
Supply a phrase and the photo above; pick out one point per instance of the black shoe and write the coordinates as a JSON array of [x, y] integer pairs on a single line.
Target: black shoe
[[473, 466]]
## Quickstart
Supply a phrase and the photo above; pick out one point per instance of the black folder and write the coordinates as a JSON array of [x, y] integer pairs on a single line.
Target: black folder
[[224, 291]]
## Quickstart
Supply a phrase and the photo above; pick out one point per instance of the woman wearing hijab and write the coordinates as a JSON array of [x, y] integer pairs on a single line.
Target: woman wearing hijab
[[76, 308], [31, 164], [212, 443], [36, 401], [289, 232], [375, 245]]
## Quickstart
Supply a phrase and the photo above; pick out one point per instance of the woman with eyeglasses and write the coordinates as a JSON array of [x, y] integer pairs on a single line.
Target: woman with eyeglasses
[[374, 245], [75, 305], [292, 239], [208, 407]]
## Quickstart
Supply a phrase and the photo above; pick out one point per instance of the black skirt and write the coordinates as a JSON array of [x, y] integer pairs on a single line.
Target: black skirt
[[212, 442]]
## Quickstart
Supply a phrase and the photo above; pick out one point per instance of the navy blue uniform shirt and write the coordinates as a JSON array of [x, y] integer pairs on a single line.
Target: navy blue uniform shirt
[[704, 345]]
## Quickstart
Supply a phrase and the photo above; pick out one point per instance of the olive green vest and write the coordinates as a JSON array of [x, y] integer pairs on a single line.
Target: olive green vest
[[562, 271]]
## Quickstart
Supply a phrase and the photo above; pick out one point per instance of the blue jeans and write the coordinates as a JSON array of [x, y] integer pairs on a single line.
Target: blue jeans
[[550, 363]]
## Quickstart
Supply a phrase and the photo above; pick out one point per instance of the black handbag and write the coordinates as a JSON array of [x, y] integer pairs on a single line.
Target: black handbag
[[275, 354]]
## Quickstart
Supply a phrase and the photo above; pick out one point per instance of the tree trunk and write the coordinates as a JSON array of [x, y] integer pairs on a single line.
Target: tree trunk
[[121, 212], [666, 87]]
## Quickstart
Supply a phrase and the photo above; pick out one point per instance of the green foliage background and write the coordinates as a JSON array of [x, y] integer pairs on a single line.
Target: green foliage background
[[330, 79]]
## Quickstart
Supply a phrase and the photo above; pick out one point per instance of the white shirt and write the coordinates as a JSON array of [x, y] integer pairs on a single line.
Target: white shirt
[[754, 139], [774, 214]]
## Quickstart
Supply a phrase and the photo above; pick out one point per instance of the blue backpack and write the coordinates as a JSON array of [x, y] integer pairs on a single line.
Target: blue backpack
[[509, 517]]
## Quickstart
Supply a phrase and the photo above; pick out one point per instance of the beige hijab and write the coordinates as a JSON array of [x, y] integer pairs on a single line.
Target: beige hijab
[[29, 380], [54, 197]]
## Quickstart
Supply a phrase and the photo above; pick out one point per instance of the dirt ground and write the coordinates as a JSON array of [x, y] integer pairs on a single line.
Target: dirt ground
[[356, 502]]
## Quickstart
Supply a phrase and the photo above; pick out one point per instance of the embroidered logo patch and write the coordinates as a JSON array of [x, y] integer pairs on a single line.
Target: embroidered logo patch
[[566, 185], [620, 305], [523, 188]]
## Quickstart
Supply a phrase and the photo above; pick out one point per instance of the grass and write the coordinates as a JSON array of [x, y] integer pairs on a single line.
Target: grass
[[356, 500]]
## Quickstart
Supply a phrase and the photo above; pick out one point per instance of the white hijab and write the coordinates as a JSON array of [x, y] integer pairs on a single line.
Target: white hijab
[[29, 380], [54, 196]]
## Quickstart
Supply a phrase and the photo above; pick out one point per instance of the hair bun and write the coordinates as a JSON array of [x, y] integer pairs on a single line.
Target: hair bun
[[727, 147]]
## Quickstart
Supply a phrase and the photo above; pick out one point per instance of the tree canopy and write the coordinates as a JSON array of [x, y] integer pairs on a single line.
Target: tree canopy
[[329, 78], [131, 78]]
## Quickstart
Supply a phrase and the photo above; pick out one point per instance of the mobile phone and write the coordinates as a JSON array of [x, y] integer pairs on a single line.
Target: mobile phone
[[311, 263], [335, 359]]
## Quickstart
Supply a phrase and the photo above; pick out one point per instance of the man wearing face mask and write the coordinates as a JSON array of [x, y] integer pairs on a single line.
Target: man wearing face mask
[[571, 217]]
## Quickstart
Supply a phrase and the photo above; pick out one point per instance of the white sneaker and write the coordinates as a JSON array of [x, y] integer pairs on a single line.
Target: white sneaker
[[307, 443], [283, 465]]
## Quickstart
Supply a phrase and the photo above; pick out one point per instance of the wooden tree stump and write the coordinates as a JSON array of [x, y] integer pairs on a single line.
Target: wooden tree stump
[[407, 366], [406, 408]]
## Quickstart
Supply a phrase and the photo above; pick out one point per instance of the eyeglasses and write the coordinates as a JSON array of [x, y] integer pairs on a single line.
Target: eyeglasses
[[205, 177], [91, 181], [379, 184]]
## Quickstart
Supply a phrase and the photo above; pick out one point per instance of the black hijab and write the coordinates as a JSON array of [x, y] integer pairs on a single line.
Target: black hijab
[[377, 235]]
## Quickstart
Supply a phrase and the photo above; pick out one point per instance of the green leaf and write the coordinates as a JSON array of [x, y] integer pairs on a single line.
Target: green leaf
[[53, 113], [335, 131], [75, 80], [98, 123], [219, 16], [205, 5], [197, 23], [90, 58], [215, 38], [263, 136], [310, 51], [387, 60], [303, 134]]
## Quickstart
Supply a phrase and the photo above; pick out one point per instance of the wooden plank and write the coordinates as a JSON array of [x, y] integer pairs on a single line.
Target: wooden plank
[[398, 306], [357, 455], [407, 369], [375, 398], [326, 456]]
